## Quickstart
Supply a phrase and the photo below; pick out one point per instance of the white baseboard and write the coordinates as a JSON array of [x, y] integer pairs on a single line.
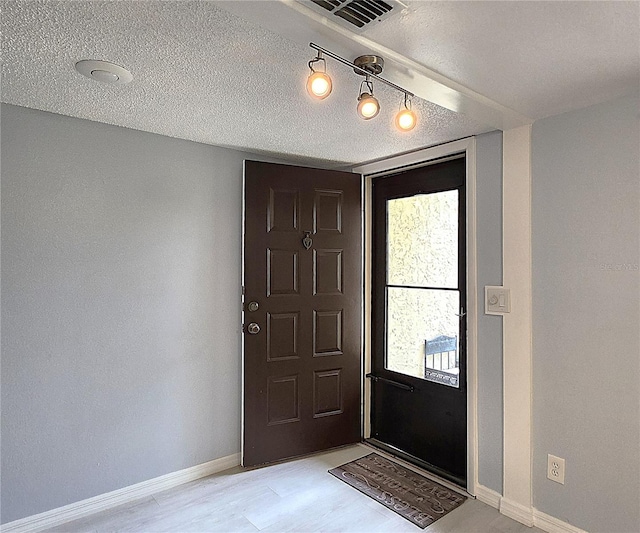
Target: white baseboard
[[518, 512], [488, 496], [553, 525], [525, 515], [74, 511]]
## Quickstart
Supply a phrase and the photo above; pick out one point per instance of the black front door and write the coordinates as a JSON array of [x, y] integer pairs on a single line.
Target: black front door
[[419, 328]]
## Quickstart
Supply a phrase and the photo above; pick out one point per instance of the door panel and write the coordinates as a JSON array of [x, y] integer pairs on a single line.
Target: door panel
[[302, 370], [415, 428], [419, 291]]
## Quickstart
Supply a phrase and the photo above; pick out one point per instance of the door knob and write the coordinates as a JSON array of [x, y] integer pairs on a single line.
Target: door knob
[[253, 328]]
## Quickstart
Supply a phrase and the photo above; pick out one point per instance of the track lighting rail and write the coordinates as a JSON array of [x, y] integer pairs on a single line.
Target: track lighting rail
[[319, 86], [358, 69]]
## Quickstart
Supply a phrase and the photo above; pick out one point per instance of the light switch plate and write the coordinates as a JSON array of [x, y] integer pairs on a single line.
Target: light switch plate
[[497, 300]]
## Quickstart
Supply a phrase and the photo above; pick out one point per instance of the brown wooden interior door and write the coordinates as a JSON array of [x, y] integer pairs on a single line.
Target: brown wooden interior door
[[302, 363]]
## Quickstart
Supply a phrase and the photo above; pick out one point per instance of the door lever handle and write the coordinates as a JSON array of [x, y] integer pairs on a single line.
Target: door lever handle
[[461, 313]]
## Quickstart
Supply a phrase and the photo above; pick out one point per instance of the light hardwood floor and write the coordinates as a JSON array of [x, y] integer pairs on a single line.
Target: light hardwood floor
[[296, 496]]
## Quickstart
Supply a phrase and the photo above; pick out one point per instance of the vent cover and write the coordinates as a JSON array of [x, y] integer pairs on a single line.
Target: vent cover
[[355, 14]]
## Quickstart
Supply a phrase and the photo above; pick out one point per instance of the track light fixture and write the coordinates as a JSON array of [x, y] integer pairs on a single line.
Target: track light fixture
[[319, 86], [319, 83], [368, 105], [406, 119]]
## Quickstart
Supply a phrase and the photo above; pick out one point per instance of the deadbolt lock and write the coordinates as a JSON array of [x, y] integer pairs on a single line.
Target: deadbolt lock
[[253, 306]]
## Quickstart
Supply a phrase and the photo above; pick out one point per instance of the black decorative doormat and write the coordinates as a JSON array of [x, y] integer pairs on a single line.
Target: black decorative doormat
[[412, 496]]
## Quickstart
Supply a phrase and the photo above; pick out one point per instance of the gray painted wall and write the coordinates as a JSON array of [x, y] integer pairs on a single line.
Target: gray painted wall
[[586, 314], [120, 307], [489, 255]]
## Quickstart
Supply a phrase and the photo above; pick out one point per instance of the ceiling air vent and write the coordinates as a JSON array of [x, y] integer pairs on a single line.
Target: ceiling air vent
[[355, 14]]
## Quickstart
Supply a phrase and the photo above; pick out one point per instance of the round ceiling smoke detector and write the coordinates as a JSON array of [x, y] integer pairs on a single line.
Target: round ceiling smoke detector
[[103, 71]]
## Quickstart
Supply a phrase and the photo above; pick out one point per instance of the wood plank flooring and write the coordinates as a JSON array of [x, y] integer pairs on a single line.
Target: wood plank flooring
[[294, 496]]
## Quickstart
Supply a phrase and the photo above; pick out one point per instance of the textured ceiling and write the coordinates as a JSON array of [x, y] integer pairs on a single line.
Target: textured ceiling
[[540, 58], [203, 73]]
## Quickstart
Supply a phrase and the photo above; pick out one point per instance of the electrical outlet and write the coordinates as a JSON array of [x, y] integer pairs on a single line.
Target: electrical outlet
[[555, 469]]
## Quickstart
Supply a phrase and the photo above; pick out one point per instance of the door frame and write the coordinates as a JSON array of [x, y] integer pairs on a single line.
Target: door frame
[[417, 159]]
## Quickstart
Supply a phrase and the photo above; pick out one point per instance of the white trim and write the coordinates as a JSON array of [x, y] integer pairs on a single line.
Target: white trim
[[516, 511], [242, 315], [472, 321], [414, 158], [553, 525], [524, 515], [367, 305], [488, 496], [424, 157], [517, 325], [74, 511]]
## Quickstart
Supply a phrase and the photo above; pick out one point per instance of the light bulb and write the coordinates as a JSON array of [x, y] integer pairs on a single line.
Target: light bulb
[[319, 85], [406, 120], [368, 106]]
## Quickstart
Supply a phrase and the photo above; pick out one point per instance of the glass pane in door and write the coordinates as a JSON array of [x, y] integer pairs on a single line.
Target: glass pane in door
[[422, 334], [422, 237], [422, 297]]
